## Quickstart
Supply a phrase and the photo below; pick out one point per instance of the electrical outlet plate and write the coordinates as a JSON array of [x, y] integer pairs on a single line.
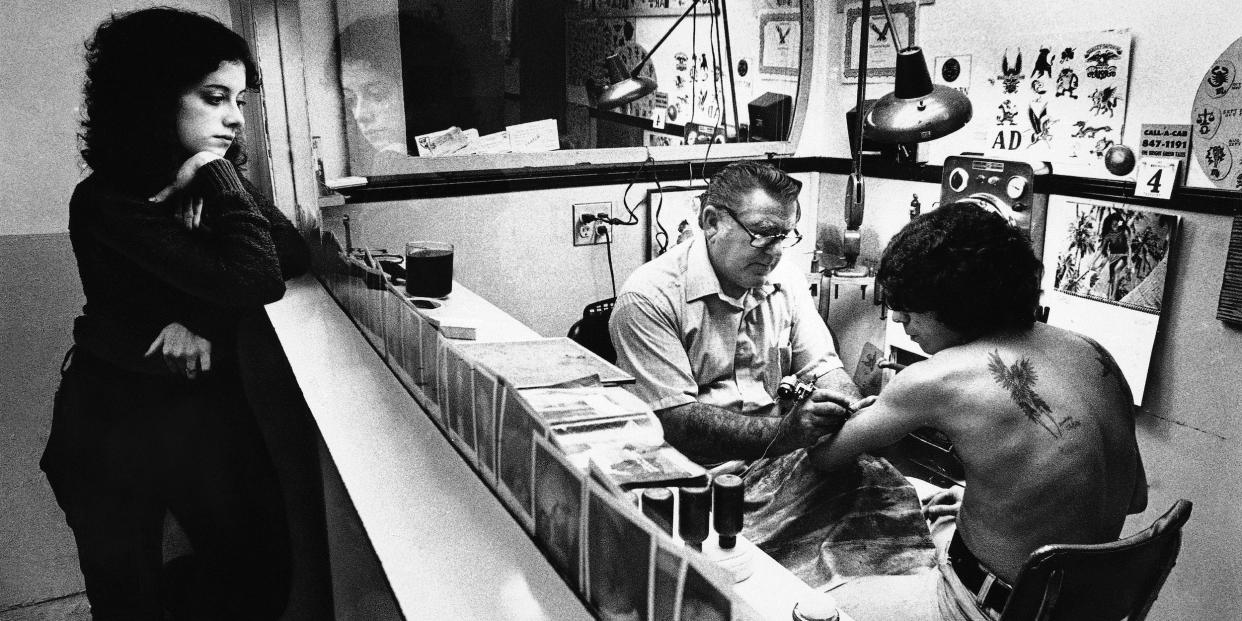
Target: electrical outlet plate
[[590, 230]]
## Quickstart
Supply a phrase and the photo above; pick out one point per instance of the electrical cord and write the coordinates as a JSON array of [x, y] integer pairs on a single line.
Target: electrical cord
[[780, 427], [632, 218], [611, 273], [694, 67], [713, 45], [661, 234]]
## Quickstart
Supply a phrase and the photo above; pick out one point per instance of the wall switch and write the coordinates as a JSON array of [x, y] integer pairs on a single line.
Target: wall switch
[[591, 223]]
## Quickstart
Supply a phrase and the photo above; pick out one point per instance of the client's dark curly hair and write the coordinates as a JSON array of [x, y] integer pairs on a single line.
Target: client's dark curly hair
[[137, 66], [966, 264]]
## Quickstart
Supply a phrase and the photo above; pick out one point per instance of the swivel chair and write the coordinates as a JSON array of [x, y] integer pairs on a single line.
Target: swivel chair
[[592, 330], [1099, 582]]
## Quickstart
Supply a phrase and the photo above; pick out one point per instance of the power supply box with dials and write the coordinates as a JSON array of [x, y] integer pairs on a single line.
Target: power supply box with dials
[[1006, 187]]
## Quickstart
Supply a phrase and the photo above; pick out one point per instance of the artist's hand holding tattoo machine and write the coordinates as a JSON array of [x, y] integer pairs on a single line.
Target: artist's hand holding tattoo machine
[[812, 413]]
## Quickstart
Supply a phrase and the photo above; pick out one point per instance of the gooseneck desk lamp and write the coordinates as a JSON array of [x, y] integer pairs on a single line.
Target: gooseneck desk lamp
[[627, 86], [916, 111]]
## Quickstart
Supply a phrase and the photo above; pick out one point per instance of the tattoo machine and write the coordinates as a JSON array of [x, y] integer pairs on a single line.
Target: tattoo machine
[[790, 388], [793, 388]]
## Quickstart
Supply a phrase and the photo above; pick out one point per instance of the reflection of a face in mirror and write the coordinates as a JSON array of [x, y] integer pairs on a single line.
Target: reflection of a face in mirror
[[373, 98], [371, 91], [402, 76]]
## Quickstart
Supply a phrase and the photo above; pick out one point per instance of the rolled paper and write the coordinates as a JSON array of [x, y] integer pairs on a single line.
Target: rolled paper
[[727, 508], [658, 506], [695, 503]]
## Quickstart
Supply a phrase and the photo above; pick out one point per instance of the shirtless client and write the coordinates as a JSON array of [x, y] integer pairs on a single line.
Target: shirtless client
[[1040, 417]]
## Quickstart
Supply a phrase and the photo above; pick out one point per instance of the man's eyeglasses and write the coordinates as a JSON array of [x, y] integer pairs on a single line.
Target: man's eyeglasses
[[765, 241]]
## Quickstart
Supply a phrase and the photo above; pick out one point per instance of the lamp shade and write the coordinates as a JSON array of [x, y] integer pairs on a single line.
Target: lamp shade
[[916, 110], [623, 87]]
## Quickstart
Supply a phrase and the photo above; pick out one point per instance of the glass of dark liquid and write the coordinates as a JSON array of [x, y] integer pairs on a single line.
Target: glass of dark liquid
[[428, 269]]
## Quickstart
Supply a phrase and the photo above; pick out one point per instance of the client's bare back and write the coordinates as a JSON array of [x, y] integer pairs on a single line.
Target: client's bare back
[[1042, 421]]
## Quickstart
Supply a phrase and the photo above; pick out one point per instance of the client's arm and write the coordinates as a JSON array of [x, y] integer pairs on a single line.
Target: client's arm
[[900, 409]]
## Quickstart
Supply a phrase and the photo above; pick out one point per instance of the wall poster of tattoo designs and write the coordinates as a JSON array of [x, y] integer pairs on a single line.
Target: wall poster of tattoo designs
[[1055, 98], [1105, 268], [1217, 120]]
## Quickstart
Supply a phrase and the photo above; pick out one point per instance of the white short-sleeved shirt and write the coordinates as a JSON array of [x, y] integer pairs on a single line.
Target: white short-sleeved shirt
[[684, 340]]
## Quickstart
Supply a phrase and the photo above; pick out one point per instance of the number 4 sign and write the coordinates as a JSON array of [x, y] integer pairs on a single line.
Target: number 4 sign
[[1156, 177]]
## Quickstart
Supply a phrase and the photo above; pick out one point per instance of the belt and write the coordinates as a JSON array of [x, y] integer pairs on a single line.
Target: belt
[[990, 591]]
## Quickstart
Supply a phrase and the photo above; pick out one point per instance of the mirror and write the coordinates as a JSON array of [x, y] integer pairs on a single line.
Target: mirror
[[453, 78]]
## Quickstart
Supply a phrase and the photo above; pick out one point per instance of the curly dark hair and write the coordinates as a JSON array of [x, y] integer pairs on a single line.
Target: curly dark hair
[[967, 265], [728, 186], [137, 66]]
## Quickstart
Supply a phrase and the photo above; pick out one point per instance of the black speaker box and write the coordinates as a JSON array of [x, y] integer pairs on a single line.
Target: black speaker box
[[770, 117]]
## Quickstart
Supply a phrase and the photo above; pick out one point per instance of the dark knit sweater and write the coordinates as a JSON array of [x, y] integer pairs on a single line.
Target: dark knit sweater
[[142, 270]]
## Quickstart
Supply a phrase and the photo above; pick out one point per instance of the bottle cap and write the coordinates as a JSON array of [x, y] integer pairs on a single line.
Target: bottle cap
[[658, 506], [695, 503], [816, 607], [727, 495]]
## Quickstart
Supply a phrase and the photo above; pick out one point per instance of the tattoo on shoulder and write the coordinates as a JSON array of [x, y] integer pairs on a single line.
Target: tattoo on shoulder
[[1102, 355], [1110, 368], [1019, 379]]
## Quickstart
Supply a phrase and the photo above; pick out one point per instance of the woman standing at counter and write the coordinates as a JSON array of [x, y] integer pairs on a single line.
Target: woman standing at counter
[[173, 249]]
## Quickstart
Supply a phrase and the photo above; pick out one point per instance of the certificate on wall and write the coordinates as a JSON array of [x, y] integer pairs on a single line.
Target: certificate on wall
[[780, 43], [881, 53]]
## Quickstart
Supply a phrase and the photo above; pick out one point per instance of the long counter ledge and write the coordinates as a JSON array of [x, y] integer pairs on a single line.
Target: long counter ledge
[[438, 555], [447, 545]]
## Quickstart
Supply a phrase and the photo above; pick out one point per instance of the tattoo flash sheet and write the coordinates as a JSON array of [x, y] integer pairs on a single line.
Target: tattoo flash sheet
[[1059, 98], [1105, 269], [1217, 118]]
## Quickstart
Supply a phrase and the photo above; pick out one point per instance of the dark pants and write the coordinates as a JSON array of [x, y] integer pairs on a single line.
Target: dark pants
[[124, 449]]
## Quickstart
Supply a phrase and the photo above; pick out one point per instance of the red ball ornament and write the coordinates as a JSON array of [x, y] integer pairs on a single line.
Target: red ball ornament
[[1119, 159]]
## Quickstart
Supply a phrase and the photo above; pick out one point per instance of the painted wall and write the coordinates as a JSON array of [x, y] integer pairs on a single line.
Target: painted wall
[[516, 249], [39, 297], [41, 66]]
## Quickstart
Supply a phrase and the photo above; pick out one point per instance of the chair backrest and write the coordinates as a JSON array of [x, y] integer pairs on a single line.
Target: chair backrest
[[592, 330], [1101, 582]]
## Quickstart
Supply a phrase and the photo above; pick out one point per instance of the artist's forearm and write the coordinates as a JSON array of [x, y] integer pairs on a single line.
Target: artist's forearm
[[710, 434]]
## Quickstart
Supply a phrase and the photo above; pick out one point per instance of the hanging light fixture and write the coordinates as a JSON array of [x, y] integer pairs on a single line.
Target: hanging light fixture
[[916, 111]]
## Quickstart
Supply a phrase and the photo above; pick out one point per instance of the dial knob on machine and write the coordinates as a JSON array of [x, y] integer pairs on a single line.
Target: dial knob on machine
[[958, 179], [1015, 187]]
